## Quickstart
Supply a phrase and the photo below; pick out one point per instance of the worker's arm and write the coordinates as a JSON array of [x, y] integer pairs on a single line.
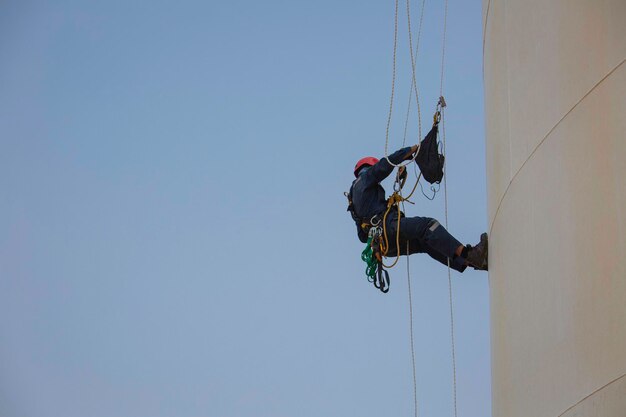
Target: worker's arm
[[383, 168]]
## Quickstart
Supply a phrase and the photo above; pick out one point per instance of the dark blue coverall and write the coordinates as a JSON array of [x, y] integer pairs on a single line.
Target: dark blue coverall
[[424, 234]]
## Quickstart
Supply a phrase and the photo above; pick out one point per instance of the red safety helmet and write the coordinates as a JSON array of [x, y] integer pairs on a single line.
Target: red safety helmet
[[367, 161]]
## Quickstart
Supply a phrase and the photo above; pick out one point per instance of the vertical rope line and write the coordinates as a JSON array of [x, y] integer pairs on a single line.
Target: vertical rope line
[[414, 80], [445, 193], [393, 78], [443, 48], [413, 58], [445, 188], [408, 276], [406, 120]]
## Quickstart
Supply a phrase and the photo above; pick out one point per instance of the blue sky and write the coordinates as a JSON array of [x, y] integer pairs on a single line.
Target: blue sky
[[173, 233]]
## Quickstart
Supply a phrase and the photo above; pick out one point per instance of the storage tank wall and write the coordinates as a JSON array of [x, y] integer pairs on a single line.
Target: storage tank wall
[[555, 97]]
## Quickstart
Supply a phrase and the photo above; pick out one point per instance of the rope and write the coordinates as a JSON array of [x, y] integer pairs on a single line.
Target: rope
[[367, 256], [443, 47], [413, 82], [393, 78], [413, 59], [445, 193], [395, 199], [408, 276]]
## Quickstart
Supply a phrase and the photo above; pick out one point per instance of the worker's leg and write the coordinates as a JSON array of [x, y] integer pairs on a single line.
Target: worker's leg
[[430, 233], [425, 235], [456, 262]]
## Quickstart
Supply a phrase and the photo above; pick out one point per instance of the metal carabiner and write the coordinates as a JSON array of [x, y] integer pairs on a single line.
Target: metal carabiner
[[400, 179], [375, 232], [436, 117], [375, 220], [382, 279], [438, 109]]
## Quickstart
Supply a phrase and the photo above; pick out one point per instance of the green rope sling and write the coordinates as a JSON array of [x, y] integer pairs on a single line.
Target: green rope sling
[[368, 257]]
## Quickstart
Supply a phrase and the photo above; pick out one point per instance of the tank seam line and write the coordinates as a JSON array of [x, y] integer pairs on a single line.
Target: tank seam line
[[485, 35], [495, 216], [589, 395]]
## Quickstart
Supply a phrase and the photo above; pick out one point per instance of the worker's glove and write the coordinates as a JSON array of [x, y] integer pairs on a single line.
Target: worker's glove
[[411, 154]]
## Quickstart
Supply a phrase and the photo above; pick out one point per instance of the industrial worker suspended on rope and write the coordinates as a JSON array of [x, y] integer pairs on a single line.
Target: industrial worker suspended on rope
[[368, 206]]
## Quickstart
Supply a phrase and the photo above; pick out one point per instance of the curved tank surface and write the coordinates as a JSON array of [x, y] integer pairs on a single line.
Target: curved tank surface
[[555, 105]]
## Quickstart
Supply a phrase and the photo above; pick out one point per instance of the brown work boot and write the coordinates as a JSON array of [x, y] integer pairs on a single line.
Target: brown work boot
[[477, 256]]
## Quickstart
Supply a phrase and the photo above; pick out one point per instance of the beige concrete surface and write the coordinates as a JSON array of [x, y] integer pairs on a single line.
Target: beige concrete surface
[[555, 98]]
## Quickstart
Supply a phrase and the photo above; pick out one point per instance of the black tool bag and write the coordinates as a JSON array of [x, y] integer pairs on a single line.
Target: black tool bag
[[429, 159]]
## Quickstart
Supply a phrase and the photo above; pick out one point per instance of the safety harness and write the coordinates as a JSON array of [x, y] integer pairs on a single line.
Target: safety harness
[[377, 243], [373, 230]]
